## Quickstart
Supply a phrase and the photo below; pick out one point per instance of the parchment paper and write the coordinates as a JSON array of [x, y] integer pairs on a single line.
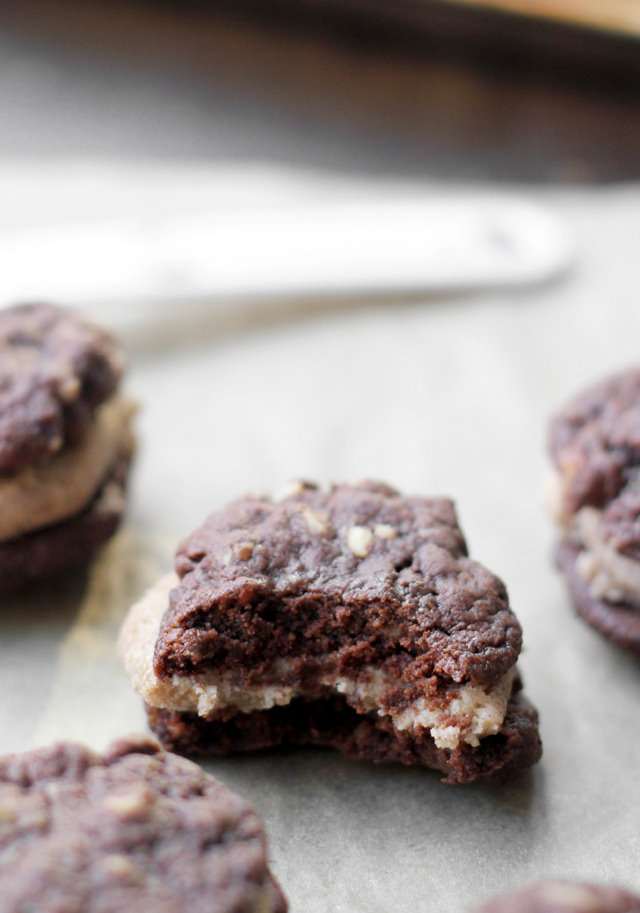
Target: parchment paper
[[437, 397]]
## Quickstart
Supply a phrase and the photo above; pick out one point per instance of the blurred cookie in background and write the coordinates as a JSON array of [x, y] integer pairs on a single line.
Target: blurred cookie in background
[[565, 897], [595, 498], [132, 829], [66, 441]]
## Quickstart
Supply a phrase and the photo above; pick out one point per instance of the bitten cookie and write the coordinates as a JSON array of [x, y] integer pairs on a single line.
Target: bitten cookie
[[65, 441], [565, 897], [595, 444], [135, 829], [351, 618]]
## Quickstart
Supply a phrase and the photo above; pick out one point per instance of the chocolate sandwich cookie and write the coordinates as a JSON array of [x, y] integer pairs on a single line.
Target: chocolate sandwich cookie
[[65, 441], [595, 444], [565, 897], [135, 829], [351, 618]]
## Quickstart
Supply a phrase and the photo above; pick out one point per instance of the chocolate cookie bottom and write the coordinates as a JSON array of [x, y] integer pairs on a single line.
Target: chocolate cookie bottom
[[331, 723], [619, 622], [71, 542], [565, 897]]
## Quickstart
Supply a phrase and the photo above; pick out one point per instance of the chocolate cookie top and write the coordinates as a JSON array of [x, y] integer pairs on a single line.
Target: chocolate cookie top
[[565, 897], [595, 441], [135, 830], [55, 369], [359, 572]]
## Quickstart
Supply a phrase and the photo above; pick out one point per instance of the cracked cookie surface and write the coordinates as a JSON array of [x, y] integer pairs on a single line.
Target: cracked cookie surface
[[133, 829]]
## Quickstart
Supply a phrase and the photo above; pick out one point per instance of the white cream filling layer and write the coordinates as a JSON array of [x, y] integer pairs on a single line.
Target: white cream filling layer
[[553, 497], [610, 575], [469, 713], [41, 495]]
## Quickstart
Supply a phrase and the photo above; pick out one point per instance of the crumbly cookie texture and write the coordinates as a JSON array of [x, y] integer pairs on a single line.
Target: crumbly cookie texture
[[462, 712], [595, 499], [55, 370], [134, 829], [356, 599], [565, 897], [66, 441]]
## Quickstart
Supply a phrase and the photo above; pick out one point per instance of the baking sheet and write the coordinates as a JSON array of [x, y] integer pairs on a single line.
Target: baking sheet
[[439, 397]]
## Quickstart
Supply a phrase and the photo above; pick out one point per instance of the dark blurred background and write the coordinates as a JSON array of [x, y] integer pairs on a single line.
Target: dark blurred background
[[367, 86]]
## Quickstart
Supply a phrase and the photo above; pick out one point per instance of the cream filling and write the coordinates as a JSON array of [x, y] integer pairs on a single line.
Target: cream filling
[[38, 496], [553, 498], [610, 575], [469, 714], [576, 897]]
